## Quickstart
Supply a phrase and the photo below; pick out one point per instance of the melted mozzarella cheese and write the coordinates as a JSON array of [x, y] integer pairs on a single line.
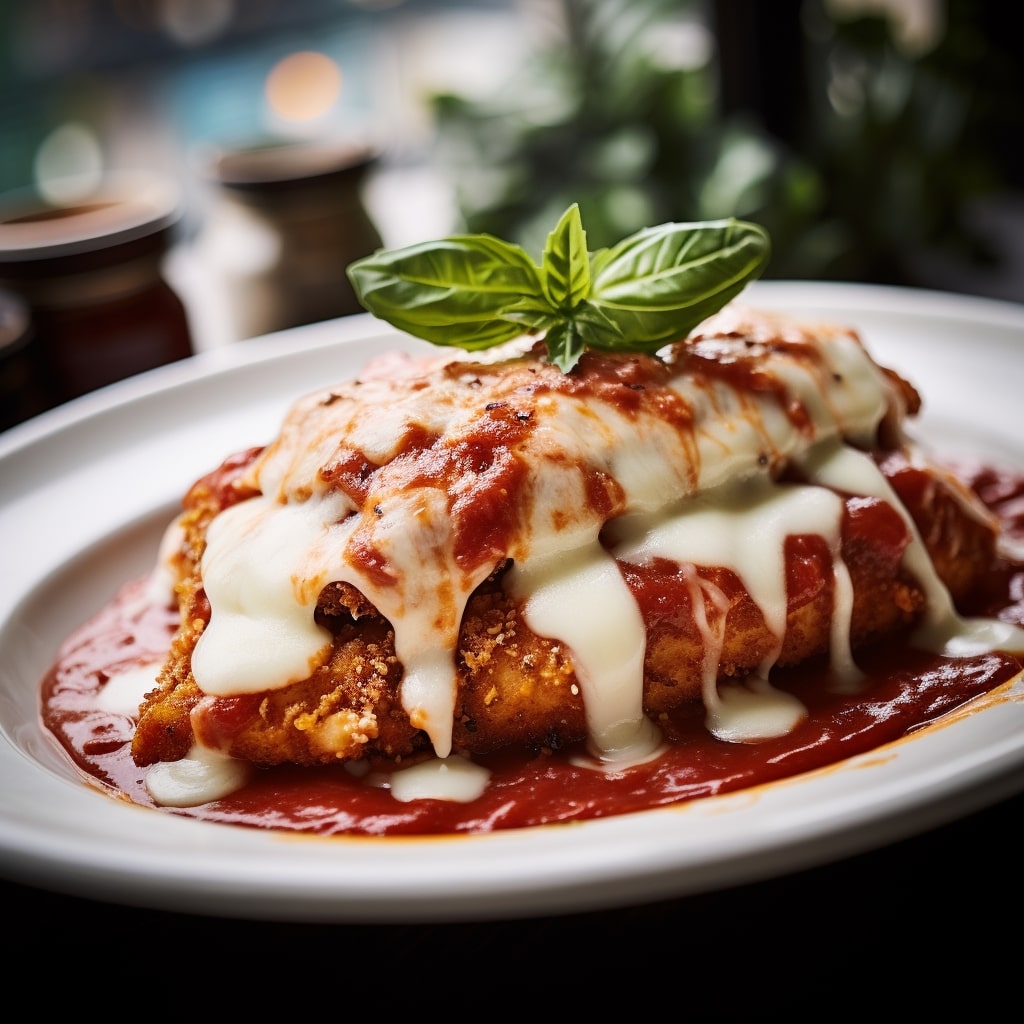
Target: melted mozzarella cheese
[[743, 526], [257, 572], [122, 693], [942, 630], [581, 598], [454, 779], [202, 776], [695, 486]]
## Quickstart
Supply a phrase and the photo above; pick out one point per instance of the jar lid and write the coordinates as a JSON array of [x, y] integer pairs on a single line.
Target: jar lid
[[123, 209], [278, 166]]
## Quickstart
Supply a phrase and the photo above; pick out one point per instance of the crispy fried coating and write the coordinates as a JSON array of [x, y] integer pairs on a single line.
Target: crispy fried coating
[[517, 688]]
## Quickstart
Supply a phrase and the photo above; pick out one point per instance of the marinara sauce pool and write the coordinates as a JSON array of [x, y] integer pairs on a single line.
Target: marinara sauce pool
[[905, 689]]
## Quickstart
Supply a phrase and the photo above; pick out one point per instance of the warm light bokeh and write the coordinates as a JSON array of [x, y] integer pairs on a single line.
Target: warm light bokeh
[[303, 86]]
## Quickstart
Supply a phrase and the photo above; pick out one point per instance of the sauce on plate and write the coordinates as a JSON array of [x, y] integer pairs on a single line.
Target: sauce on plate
[[904, 690]]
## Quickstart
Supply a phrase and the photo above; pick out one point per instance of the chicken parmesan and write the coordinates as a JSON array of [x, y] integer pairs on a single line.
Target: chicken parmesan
[[595, 560], [454, 556]]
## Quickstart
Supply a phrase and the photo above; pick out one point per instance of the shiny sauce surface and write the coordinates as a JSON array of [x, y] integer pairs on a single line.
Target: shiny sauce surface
[[905, 689]]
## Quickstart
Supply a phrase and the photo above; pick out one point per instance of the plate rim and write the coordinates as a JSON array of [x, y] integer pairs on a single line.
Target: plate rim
[[226, 882]]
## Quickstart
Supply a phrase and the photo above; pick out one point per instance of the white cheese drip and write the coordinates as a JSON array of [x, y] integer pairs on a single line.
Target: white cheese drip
[[198, 778], [123, 692], [743, 526], [942, 630], [581, 598], [453, 779], [269, 557], [159, 590], [265, 580], [257, 573]]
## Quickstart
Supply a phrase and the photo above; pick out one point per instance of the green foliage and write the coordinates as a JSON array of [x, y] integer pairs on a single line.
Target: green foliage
[[888, 155], [475, 291]]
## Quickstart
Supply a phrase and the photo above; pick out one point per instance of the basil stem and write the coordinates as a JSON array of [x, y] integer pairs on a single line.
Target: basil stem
[[475, 291]]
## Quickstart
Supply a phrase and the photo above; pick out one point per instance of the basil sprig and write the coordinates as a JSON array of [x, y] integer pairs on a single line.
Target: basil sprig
[[475, 291]]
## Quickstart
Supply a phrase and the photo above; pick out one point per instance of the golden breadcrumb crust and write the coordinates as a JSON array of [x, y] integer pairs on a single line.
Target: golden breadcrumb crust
[[516, 688]]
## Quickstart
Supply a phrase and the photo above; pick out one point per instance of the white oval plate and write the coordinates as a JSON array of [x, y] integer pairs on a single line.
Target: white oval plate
[[86, 489]]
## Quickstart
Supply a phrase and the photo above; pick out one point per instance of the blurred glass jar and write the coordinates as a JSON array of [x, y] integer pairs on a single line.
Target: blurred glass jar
[[285, 222], [22, 378], [91, 274]]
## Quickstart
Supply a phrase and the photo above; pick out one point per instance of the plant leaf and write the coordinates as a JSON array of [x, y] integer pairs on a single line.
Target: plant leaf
[[658, 284], [565, 345], [566, 263], [452, 292], [475, 291]]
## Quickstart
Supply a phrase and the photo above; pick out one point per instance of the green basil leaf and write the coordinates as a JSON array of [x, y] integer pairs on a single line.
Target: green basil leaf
[[660, 283], [565, 345], [566, 263], [475, 291], [452, 292]]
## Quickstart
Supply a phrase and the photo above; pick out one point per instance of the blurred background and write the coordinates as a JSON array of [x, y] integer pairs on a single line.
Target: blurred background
[[236, 154]]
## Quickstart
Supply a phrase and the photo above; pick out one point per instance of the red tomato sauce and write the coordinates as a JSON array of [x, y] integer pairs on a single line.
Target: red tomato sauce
[[905, 689]]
